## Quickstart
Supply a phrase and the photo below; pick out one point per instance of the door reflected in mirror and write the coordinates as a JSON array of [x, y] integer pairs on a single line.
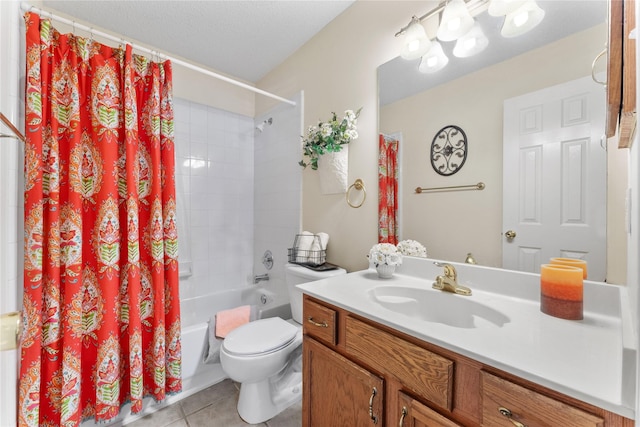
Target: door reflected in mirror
[[471, 95]]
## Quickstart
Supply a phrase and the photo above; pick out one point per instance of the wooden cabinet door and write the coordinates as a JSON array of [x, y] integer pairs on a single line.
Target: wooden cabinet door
[[415, 414], [338, 392]]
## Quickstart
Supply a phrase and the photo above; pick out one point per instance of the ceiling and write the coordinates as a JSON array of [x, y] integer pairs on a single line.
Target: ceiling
[[243, 39], [246, 39], [400, 78]]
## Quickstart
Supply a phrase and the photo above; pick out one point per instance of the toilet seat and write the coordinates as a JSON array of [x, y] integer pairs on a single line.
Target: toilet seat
[[260, 337]]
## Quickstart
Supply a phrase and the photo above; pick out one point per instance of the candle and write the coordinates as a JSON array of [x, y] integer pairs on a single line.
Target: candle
[[561, 291], [574, 262]]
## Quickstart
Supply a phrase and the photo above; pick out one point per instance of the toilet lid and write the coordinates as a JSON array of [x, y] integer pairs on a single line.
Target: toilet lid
[[259, 337]]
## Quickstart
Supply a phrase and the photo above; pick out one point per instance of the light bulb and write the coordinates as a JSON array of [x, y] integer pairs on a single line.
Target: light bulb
[[471, 43], [521, 18], [525, 18], [504, 7], [416, 42], [455, 22], [434, 60]]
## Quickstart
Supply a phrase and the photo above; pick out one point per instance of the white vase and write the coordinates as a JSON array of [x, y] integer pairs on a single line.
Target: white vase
[[385, 271], [333, 171]]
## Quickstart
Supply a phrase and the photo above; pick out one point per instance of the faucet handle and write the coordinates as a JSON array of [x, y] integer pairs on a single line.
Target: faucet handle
[[449, 270]]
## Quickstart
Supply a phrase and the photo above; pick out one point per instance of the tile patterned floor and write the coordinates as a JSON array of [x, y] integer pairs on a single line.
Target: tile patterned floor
[[214, 407]]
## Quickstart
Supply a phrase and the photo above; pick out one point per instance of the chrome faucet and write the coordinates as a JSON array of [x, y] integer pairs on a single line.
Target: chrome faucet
[[260, 277], [449, 280]]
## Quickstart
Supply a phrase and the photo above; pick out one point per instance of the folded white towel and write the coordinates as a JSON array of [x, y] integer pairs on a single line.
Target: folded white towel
[[320, 242], [305, 240], [317, 247]]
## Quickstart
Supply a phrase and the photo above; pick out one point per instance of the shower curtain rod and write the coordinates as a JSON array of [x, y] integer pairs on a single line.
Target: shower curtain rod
[[27, 7], [16, 132]]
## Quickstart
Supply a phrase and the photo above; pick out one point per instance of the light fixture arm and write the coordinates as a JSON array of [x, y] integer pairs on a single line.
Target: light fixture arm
[[472, 6]]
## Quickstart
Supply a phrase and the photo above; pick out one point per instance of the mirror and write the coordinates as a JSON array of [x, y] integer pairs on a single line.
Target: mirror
[[469, 93]]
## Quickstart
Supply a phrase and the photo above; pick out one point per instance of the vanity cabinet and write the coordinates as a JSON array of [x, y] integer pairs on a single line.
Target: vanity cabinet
[[357, 372], [339, 392]]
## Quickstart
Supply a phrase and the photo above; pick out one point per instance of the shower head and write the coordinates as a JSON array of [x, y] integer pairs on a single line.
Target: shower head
[[261, 126]]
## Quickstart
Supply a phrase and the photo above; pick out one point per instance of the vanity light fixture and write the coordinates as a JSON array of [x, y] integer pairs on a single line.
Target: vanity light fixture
[[457, 24], [416, 42]]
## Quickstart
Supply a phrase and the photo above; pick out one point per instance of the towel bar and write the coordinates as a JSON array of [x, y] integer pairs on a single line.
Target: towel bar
[[478, 186]]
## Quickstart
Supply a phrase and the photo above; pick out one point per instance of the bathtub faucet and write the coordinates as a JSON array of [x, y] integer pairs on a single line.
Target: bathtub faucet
[[260, 277]]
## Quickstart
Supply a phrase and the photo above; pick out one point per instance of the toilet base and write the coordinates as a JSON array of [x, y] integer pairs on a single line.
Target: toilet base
[[263, 400]]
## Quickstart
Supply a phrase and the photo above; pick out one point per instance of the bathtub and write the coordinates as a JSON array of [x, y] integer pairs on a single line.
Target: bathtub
[[197, 375]]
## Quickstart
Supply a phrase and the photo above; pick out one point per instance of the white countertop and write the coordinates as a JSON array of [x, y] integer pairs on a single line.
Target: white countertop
[[592, 360]]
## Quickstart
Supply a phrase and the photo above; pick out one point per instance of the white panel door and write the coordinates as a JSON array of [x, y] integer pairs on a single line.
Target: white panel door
[[554, 182]]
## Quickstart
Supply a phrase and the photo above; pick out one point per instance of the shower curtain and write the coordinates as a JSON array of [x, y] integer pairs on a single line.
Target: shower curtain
[[388, 190], [101, 306]]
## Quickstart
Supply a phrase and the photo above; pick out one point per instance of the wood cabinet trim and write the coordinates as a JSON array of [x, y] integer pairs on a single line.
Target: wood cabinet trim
[[614, 67], [628, 114], [621, 73]]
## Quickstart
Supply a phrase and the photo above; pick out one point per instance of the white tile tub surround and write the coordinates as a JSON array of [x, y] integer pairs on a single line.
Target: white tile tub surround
[[214, 174]]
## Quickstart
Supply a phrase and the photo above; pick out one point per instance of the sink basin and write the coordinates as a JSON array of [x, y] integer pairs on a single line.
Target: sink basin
[[436, 306]]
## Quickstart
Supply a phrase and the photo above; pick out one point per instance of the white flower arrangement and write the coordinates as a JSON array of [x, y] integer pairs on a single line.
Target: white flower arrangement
[[329, 136], [385, 254], [412, 248]]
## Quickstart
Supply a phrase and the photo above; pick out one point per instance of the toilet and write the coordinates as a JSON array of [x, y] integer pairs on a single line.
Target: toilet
[[265, 356]]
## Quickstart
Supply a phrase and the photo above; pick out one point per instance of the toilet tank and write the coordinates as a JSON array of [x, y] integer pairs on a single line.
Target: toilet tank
[[297, 274]]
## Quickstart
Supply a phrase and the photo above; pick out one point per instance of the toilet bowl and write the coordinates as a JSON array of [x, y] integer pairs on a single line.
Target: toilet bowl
[[265, 356]]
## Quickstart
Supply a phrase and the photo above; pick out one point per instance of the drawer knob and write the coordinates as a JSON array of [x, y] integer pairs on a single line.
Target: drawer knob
[[507, 413], [404, 414], [373, 417], [314, 323]]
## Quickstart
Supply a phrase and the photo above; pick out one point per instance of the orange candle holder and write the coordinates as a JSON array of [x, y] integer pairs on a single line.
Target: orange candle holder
[[561, 291], [573, 262]]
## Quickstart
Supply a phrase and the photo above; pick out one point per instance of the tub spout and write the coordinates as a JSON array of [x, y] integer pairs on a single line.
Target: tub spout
[[260, 277]]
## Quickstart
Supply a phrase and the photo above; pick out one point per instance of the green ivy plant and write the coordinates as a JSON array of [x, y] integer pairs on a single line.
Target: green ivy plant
[[329, 137]]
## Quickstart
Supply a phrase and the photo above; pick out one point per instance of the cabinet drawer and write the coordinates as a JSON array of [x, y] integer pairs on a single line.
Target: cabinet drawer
[[425, 373], [415, 414], [320, 322], [528, 407]]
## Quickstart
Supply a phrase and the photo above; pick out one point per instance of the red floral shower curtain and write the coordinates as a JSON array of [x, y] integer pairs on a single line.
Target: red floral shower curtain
[[101, 307], [388, 191]]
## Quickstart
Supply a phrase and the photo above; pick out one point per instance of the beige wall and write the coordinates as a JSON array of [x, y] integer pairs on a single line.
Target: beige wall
[[337, 71]]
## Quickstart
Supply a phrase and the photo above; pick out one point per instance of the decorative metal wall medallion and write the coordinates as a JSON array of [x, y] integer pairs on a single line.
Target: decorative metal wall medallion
[[448, 150]]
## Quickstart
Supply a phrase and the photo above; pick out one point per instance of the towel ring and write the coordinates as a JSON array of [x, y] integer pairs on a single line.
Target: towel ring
[[358, 185], [593, 68]]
